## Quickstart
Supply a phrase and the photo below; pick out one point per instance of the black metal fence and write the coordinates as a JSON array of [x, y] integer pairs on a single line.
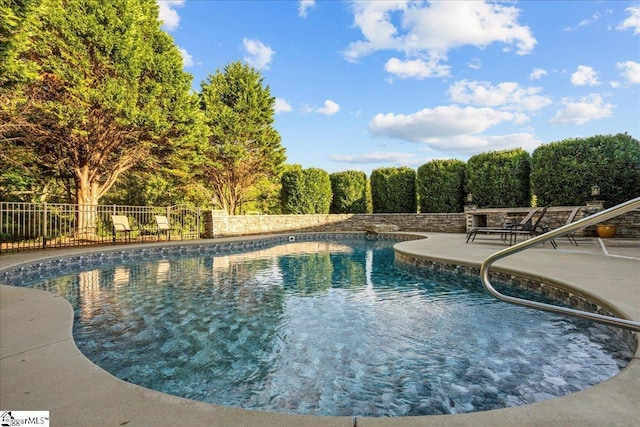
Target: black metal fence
[[30, 226]]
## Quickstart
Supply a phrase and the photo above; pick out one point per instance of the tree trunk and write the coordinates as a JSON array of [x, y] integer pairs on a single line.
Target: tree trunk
[[87, 199]]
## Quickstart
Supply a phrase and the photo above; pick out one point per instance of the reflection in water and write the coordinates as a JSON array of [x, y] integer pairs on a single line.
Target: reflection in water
[[329, 329], [89, 290], [162, 273]]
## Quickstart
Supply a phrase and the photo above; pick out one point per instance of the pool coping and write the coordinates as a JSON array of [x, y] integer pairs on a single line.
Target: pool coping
[[42, 369]]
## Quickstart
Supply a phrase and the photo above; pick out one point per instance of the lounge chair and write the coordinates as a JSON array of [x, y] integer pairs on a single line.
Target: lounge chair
[[162, 223], [531, 230], [504, 230], [121, 225], [570, 219]]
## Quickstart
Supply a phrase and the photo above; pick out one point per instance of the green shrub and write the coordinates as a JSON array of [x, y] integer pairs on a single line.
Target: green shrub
[[305, 191], [563, 172], [393, 190], [291, 193], [317, 191], [499, 178], [440, 186], [349, 190]]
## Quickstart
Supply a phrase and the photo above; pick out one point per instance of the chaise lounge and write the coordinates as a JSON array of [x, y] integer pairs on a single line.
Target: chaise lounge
[[505, 229]]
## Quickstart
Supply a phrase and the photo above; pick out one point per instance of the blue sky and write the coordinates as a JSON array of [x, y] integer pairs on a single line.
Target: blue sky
[[361, 85]]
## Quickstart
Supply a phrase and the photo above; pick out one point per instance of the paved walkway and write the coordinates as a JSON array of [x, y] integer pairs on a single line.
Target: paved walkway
[[42, 369]]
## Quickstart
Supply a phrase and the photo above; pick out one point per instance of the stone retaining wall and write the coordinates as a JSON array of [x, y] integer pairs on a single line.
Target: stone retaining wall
[[628, 225], [217, 224], [244, 225]]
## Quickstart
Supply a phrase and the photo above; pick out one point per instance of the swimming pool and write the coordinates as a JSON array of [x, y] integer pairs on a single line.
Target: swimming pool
[[324, 328]]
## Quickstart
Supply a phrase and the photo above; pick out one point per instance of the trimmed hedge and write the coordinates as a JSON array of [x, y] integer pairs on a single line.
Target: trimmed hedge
[[440, 186], [349, 190], [393, 190], [563, 172], [317, 190], [499, 178], [292, 191], [305, 191]]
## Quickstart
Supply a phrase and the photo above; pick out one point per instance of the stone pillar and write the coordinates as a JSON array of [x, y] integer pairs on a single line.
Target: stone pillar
[[593, 207], [468, 215], [209, 218]]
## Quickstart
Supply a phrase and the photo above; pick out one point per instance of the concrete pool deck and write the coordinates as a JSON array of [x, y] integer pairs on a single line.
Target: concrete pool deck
[[42, 369]]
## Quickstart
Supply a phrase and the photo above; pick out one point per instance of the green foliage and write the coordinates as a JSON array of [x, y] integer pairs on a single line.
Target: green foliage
[[440, 186], [499, 178], [349, 190], [13, 14], [292, 190], [244, 147], [15, 185], [110, 93], [263, 197], [563, 172], [305, 191], [317, 190], [393, 190]]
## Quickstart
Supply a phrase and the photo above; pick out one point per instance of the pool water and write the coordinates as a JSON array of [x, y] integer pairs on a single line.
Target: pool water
[[326, 328]]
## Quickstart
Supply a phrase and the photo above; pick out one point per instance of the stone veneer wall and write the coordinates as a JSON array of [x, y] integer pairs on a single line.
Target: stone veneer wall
[[628, 225], [244, 225], [222, 225]]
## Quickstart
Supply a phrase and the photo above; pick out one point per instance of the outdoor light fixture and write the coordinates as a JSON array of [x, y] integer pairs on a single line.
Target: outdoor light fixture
[[595, 190], [469, 198]]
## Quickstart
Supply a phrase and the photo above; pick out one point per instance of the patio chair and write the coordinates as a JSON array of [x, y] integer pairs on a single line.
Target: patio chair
[[121, 225], [531, 230], [504, 230], [570, 219], [163, 225]]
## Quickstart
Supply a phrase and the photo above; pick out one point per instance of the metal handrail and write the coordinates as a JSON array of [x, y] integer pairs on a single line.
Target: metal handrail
[[584, 222]]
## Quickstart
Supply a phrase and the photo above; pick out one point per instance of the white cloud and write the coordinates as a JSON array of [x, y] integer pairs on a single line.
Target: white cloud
[[475, 63], [416, 68], [537, 74], [594, 18], [433, 28], [282, 106], [168, 14], [630, 70], [428, 125], [304, 6], [258, 54], [475, 143], [633, 21], [506, 95], [377, 157], [585, 76], [588, 108], [330, 108], [187, 59]]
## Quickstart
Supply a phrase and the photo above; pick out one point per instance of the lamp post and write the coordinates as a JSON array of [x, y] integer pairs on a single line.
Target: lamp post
[[595, 191]]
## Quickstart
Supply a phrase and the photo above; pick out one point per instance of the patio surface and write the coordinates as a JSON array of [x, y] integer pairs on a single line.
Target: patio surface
[[42, 369]]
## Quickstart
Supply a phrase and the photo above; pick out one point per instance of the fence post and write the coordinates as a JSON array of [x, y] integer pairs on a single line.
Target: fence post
[[44, 225], [198, 224]]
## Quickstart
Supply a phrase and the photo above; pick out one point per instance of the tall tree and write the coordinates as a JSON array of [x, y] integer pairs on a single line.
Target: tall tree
[[109, 93], [244, 146]]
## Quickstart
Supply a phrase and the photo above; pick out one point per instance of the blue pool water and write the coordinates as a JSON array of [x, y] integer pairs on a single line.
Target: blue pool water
[[325, 328]]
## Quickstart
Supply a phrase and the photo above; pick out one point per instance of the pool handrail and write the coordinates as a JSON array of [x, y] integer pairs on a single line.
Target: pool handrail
[[558, 232]]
